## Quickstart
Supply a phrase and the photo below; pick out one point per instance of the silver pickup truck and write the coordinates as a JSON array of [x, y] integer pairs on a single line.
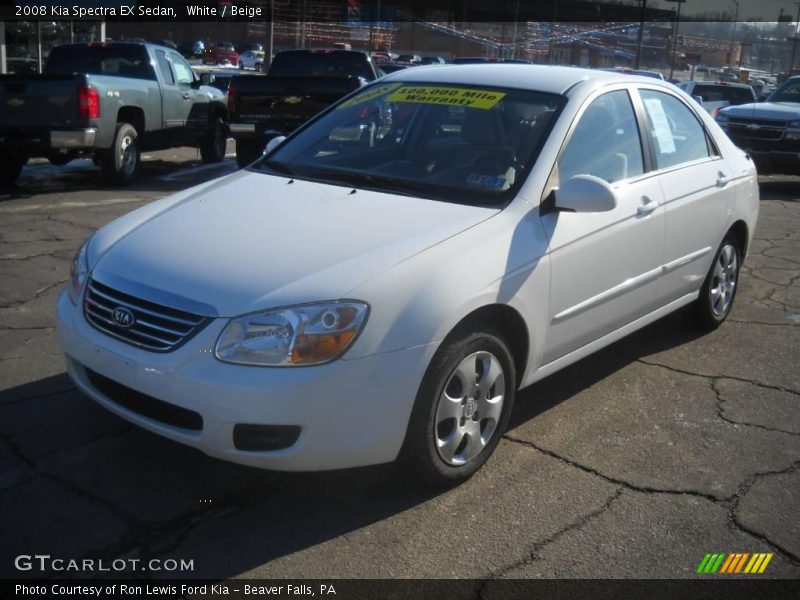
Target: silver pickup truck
[[110, 102], [768, 131]]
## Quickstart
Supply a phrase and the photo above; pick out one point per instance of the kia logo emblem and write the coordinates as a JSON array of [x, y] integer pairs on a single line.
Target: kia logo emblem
[[123, 317]]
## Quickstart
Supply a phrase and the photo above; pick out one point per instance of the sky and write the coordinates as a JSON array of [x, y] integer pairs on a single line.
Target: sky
[[767, 10]]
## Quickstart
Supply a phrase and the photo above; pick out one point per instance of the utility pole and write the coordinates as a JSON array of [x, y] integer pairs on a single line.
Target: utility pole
[[675, 37], [794, 39], [640, 43], [733, 37], [270, 38]]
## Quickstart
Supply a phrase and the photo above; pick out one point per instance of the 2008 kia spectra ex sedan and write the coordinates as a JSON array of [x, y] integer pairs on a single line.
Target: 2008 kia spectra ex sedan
[[381, 283]]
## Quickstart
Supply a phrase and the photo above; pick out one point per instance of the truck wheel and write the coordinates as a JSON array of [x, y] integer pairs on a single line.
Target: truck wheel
[[123, 161], [212, 149], [247, 151], [241, 65], [10, 168]]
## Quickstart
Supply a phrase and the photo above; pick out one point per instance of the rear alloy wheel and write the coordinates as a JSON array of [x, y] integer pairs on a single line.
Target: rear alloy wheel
[[123, 161], [212, 149], [462, 408], [719, 288]]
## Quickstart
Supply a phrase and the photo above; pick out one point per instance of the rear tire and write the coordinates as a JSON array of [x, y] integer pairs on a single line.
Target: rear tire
[[247, 151], [715, 302], [462, 408], [241, 66], [10, 168], [122, 163], [212, 149]]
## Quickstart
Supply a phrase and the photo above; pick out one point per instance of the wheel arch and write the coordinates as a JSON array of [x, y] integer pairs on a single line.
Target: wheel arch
[[133, 115], [508, 322], [742, 234]]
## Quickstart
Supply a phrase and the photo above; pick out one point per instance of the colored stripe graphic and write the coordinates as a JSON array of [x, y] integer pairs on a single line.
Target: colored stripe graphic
[[727, 564], [734, 563], [740, 564], [703, 563], [716, 565], [764, 564]]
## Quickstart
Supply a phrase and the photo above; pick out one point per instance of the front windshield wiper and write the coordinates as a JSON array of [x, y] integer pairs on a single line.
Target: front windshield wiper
[[370, 181], [278, 167]]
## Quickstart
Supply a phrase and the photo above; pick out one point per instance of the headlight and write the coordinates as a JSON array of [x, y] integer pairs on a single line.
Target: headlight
[[78, 273], [307, 334], [793, 124]]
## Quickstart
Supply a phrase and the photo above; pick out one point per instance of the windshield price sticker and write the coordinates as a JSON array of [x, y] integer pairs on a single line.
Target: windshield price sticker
[[448, 96], [370, 94]]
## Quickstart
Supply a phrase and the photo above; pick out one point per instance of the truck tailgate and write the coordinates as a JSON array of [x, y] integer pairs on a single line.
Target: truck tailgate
[[38, 101], [285, 102]]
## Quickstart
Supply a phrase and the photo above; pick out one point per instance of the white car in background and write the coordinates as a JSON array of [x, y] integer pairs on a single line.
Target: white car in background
[[252, 59], [380, 284]]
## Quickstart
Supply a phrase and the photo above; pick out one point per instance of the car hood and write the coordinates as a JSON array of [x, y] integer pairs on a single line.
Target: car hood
[[252, 241], [765, 110]]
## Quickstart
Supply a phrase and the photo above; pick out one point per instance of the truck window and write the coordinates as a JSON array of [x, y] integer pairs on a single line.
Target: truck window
[[164, 68], [321, 64], [183, 72], [724, 93], [119, 61]]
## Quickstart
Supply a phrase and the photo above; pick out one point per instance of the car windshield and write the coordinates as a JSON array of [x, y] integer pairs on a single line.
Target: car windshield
[[788, 92], [470, 144]]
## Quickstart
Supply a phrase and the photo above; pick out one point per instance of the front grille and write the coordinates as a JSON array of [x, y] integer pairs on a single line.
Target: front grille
[[154, 327], [757, 129], [145, 405]]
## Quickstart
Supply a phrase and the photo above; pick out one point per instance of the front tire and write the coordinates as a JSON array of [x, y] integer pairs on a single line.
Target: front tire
[[719, 288], [462, 408], [122, 163], [212, 149]]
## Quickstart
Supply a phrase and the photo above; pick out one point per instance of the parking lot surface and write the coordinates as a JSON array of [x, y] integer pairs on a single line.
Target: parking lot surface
[[635, 462]]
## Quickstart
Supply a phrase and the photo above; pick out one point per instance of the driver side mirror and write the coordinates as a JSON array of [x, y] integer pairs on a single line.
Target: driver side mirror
[[274, 143], [585, 194]]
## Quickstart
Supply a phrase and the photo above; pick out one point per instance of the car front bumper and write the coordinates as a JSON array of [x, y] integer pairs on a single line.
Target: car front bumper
[[350, 412]]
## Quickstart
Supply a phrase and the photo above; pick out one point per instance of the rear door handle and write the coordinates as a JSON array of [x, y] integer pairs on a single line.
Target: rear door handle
[[648, 205], [722, 179]]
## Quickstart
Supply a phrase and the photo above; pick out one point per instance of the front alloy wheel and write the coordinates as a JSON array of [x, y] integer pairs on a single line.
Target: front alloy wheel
[[462, 407], [469, 408]]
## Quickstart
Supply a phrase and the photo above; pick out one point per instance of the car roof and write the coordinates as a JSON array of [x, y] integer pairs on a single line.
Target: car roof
[[540, 78]]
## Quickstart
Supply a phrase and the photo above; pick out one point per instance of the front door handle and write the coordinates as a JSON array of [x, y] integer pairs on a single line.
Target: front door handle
[[722, 179], [186, 96], [648, 205]]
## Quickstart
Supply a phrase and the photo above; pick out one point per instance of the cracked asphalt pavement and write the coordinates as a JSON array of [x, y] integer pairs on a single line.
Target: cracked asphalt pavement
[[632, 463]]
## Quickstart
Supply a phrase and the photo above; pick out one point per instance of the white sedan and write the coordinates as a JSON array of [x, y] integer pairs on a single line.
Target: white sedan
[[380, 284], [252, 59]]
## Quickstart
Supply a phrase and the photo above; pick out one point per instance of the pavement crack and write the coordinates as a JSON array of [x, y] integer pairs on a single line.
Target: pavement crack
[[720, 406], [540, 545], [36, 295], [615, 480], [737, 523], [125, 516], [778, 388]]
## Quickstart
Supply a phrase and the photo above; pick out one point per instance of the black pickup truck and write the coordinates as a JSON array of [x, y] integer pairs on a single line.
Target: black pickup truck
[[298, 85], [108, 101]]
